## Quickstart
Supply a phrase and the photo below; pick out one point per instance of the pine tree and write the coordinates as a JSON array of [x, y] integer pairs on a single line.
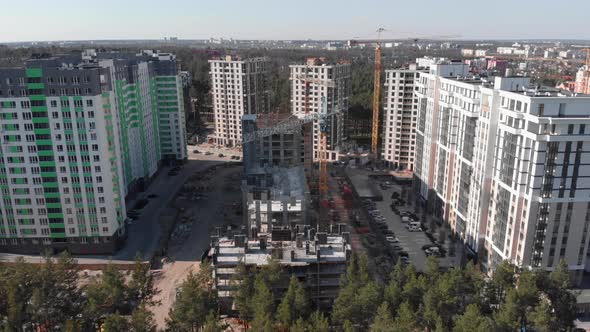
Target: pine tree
[[298, 326], [193, 304], [56, 297], [244, 281], [406, 320], [115, 323], [211, 324], [542, 319], [105, 295], [294, 304], [318, 322], [142, 320], [141, 287], [359, 296], [472, 321], [263, 302], [383, 321]]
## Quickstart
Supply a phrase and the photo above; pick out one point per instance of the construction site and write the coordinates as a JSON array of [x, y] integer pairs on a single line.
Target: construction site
[[298, 206]]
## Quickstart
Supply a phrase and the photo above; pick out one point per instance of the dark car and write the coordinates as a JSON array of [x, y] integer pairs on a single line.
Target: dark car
[[208, 153], [152, 196], [196, 151], [388, 232], [221, 155]]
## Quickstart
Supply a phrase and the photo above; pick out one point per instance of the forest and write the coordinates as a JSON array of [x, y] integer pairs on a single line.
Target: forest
[[57, 296]]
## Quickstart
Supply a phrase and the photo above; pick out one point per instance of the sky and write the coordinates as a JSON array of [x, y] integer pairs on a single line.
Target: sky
[[45, 20]]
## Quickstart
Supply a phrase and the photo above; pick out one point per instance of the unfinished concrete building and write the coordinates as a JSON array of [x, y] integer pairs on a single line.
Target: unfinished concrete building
[[312, 84], [317, 260], [274, 197], [277, 148]]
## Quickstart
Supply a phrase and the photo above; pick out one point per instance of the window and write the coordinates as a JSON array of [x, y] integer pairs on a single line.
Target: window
[[582, 129]]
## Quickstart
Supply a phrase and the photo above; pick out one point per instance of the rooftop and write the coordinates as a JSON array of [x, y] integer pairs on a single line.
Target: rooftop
[[334, 250]]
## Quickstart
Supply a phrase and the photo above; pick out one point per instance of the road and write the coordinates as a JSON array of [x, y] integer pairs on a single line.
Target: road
[[143, 234]]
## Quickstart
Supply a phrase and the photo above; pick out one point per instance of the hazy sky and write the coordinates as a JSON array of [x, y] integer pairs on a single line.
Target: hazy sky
[[286, 19]]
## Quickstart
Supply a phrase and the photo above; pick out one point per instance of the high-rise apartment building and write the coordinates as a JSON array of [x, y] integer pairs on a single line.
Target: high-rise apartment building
[[313, 84], [78, 133], [239, 87], [400, 110], [503, 164]]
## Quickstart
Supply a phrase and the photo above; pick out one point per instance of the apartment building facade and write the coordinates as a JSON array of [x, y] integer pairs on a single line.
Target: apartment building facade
[[502, 164], [239, 87], [400, 110], [70, 152], [321, 87]]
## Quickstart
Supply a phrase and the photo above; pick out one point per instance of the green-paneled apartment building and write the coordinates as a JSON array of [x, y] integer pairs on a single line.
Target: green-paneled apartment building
[[78, 133]]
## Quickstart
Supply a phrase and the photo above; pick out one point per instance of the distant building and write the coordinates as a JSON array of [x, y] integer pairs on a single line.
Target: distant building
[[467, 52], [477, 66], [567, 85], [479, 53], [499, 66], [238, 87], [582, 84]]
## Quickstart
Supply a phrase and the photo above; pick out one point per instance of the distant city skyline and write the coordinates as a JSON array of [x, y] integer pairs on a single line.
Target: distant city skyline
[[304, 19]]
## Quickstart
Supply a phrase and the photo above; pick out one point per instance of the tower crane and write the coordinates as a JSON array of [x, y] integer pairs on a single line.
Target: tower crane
[[323, 123], [377, 82]]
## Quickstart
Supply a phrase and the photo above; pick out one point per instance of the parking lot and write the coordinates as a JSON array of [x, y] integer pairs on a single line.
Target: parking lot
[[410, 242], [390, 224]]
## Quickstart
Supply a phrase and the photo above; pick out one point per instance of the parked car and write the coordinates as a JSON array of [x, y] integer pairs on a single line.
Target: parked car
[[208, 153], [392, 239], [388, 232], [433, 251], [221, 155], [196, 151], [153, 196], [414, 229]]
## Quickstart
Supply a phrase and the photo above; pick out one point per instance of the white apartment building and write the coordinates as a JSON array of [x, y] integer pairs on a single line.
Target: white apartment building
[[316, 81], [400, 111], [66, 160], [399, 117], [239, 87], [504, 165]]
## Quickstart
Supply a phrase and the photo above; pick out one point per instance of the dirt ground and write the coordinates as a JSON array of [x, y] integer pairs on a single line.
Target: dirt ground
[[208, 200], [167, 280]]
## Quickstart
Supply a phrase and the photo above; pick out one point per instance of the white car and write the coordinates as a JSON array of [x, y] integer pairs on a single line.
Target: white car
[[414, 229], [392, 239]]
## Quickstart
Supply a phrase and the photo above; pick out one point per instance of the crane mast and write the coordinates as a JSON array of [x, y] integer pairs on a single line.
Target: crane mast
[[376, 96]]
